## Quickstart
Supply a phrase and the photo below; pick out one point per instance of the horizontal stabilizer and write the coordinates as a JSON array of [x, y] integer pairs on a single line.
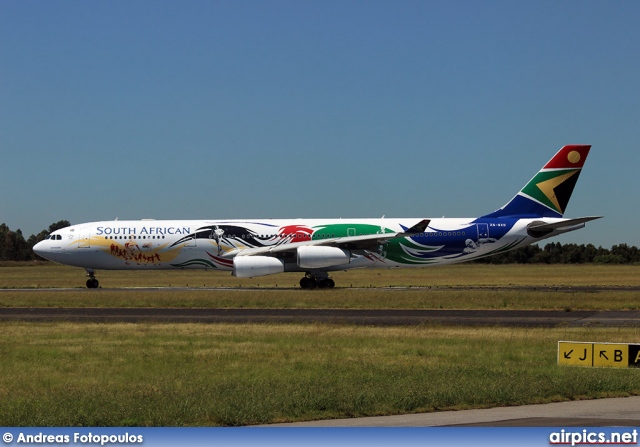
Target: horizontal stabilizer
[[540, 229]]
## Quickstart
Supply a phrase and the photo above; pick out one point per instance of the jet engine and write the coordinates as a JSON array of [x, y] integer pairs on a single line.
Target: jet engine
[[251, 266], [311, 257]]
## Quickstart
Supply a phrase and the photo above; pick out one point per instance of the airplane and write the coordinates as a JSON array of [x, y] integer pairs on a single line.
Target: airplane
[[255, 247]]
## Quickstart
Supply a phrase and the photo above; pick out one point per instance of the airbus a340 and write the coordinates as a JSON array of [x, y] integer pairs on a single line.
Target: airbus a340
[[255, 247]]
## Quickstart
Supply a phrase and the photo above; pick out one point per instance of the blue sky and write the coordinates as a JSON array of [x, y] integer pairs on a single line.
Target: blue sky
[[276, 109]]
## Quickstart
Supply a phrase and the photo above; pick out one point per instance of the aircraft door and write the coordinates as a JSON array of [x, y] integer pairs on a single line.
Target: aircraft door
[[483, 231], [84, 237]]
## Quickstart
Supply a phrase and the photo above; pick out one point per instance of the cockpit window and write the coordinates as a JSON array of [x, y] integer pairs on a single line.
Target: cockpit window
[[54, 237]]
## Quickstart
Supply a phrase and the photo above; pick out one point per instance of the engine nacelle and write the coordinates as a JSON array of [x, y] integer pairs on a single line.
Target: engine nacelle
[[310, 257], [251, 266]]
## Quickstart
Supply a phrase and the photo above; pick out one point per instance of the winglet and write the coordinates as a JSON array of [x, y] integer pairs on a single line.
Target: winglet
[[420, 227]]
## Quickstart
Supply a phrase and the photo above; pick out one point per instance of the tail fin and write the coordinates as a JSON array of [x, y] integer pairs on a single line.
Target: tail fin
[[548, 192]]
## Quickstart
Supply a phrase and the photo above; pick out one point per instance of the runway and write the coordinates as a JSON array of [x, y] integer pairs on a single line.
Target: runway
[[378, 317]]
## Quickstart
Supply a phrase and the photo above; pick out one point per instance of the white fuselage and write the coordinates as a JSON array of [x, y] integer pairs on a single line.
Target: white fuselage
[[210, 244]]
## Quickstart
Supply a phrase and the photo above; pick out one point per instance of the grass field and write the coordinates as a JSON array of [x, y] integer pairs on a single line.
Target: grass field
[[118, 374], [48, 275], [429, 288], [335, 299], [188, 374]]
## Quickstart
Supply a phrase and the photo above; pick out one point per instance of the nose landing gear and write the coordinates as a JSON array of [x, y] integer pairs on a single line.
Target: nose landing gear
[[92, 282], [319, 280]]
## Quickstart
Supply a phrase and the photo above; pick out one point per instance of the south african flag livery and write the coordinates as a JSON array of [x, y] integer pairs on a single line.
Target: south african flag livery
[[548, 192]]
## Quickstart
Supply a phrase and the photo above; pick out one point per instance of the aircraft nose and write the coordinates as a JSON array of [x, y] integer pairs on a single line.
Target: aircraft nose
[[44, 250], [38, 248]]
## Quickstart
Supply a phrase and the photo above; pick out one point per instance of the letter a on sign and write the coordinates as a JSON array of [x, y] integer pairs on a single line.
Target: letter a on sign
[[634, 356]]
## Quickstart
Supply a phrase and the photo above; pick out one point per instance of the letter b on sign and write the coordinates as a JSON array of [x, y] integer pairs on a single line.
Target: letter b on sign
[[610, 355]]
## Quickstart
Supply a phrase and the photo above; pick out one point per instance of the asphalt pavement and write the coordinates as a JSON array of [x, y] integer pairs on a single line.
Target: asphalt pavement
[[613, 412]]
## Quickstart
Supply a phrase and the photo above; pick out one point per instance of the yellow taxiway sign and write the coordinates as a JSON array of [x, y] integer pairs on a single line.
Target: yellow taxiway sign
[[609, 355]]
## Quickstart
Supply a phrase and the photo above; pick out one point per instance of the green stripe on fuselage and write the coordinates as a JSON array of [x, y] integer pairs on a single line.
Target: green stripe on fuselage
[[346, 230]]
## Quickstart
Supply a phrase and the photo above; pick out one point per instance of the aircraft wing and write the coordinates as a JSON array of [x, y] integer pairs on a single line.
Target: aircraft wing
[[347, 242]]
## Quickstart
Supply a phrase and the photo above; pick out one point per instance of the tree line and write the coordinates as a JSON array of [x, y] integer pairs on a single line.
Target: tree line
[[14, 247], [557, 253]]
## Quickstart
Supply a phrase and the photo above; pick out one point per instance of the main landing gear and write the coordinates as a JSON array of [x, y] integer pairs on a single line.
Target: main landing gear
[[317, 281], [92, 282]]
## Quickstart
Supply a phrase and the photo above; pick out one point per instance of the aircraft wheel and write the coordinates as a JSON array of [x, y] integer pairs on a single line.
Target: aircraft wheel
[[307, 283], [92, 283], [326, 283]]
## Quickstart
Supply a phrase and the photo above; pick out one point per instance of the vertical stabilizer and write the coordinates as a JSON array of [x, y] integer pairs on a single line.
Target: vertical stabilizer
[[548, 192]]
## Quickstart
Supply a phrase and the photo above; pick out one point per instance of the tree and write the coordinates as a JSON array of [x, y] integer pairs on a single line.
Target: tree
[[627, 254], [590, 252], [60, 224], [13, 246]]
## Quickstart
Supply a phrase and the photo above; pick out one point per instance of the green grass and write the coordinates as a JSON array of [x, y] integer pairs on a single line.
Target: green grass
[[323, 299], [429, 288], [189, 374], [48, 275]]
